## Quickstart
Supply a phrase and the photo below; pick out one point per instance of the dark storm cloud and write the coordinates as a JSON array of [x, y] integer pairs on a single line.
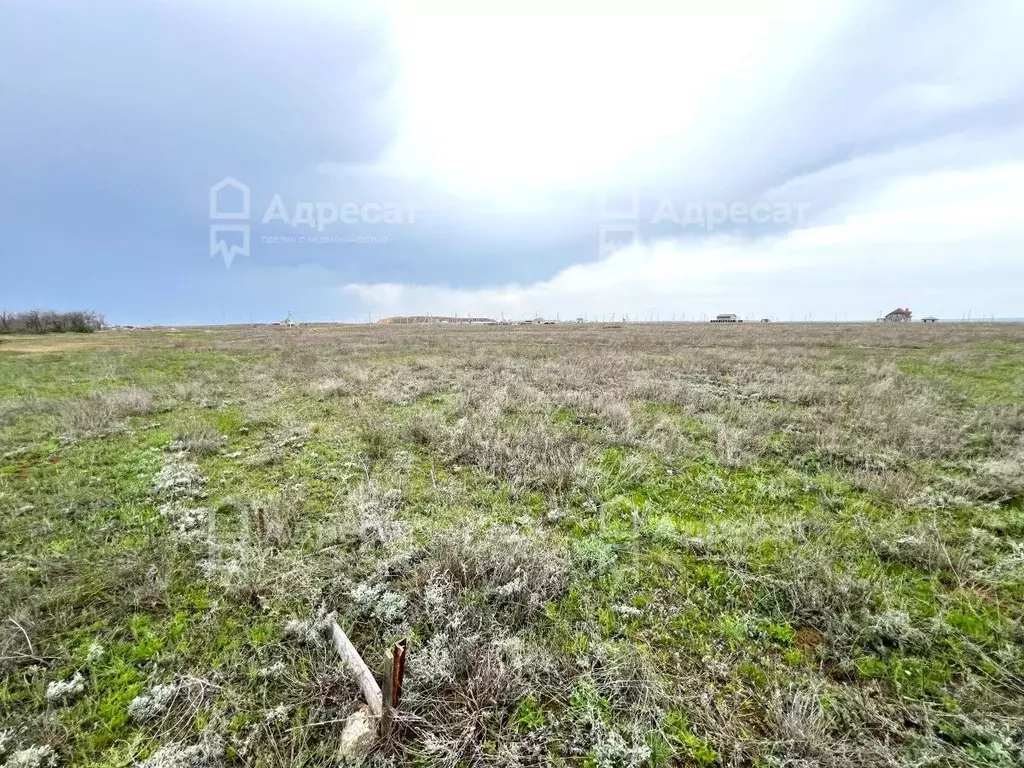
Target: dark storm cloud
[[121, 115]]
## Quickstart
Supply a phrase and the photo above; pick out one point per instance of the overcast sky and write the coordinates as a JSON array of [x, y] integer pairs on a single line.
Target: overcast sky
[[790, 159]]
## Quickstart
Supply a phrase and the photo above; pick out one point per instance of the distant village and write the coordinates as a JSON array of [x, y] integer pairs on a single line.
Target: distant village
[[898, 315]]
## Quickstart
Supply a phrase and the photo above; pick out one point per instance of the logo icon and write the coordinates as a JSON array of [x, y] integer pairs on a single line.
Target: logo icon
[[620, 223], [230, 199]]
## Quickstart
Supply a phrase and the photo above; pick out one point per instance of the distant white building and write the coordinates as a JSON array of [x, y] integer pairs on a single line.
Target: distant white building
[[726, 318]]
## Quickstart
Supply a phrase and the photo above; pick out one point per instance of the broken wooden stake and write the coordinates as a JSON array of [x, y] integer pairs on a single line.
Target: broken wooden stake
[[349, 654], [394, 675], [398, 654], [360, 730]]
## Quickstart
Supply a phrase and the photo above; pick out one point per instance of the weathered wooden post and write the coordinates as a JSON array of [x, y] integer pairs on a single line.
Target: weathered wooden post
[[394, 675]]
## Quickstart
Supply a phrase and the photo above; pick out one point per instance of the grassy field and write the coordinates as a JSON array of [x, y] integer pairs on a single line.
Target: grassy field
[[781, 545]]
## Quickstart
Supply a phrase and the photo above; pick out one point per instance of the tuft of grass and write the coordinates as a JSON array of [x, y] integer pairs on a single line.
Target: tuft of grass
[[104, 412]]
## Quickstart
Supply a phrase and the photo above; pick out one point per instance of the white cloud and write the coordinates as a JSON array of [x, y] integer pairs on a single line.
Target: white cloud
[[528, 97]]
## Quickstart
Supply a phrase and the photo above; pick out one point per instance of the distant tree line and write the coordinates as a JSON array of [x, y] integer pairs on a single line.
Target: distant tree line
[[48, 321]]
